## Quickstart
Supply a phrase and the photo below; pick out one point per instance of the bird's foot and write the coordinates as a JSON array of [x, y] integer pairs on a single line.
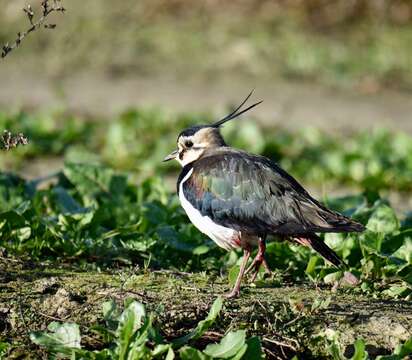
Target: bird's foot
[[232, 294], [258, 261]]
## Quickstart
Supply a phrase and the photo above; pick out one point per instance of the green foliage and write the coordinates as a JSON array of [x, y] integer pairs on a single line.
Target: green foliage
[[132, 335], [203, 325], [94, 215], [138, 140], [63, 338]]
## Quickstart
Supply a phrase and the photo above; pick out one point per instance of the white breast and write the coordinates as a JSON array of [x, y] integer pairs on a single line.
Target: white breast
[[224, 237]]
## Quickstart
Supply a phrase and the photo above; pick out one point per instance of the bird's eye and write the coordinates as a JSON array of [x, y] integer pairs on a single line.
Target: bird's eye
[[188, 144]]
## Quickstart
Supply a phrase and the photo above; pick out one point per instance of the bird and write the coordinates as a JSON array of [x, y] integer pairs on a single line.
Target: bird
[[238, 199]]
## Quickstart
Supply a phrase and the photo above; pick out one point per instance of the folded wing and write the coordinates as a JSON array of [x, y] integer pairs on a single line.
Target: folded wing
[[252, 194]]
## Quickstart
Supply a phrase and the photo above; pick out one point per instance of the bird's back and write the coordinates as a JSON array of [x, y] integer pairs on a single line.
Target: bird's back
[[252, 194]]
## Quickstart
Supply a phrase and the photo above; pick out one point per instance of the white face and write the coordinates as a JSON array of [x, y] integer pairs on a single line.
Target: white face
[[189, 150], [191, 147]]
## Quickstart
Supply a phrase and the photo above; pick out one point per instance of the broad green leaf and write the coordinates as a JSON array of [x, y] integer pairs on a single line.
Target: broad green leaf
[[203, 325], [310, 268], [129, 322], [383, 220], [160, 349], [372, 241], [110, 314], [240, 354], [189, 353], [332, 277], [12, 219], [64, 338], [92, 180], [254, 349], [405, 251], [229, 346], [170, 354], [66, 202], [395, 290], [200, 250]]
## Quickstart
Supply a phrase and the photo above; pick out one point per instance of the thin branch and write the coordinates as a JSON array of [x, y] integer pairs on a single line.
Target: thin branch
[[9, 141], [47, 7]]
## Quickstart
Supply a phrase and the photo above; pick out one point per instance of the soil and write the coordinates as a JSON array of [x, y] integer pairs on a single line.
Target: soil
[[32, 295]]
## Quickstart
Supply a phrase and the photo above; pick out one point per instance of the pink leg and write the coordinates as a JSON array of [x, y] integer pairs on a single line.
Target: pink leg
[[259, 260], [236, 289]]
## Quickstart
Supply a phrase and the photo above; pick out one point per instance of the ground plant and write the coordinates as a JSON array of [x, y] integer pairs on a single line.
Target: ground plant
[[110, 213]]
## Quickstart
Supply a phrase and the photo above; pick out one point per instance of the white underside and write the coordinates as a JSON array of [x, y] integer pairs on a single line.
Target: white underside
[[224, 237]]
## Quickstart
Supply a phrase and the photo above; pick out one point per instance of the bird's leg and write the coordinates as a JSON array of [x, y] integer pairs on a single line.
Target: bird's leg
[[259, 260], [236, 289]]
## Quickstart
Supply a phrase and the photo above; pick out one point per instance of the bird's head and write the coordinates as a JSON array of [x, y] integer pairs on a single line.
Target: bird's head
[[192, 142]]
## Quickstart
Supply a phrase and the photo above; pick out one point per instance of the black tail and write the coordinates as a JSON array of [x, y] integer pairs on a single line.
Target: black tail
[[341, 223], [317, 244]]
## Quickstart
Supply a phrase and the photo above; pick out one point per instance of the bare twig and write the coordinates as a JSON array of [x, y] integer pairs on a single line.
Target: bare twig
[[47, 7], [282, 344], [9, 141]]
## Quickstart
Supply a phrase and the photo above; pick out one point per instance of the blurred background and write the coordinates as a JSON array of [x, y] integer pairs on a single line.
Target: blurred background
[[350, 58], [115, 83]]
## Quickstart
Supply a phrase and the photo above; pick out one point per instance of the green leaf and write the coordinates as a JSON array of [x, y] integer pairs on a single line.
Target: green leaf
[[383, 220], [13, 219], [66, 202], [200, 250], [254, 349], [405, 251], [129, 322], [229, 346], [311, 267], [64, 338], [360, 353], [332, 277], [189, 353], [401, 352], [372, 241], [203, 325], [240, 354], [405, 349], [3, 348], [233, 273], [160, 349], [92, 180], [170, 354]]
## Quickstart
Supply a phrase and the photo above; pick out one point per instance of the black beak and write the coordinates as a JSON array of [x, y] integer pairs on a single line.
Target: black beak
[[171, 156]]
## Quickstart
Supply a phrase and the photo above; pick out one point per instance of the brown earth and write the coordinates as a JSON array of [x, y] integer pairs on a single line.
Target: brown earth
[[33, 295]]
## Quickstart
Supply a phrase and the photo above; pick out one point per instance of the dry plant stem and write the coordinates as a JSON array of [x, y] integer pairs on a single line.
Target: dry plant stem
[[47, 7], [9, 141]]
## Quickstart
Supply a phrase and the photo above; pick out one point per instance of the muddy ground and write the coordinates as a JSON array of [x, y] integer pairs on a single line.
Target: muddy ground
[[32, 295]]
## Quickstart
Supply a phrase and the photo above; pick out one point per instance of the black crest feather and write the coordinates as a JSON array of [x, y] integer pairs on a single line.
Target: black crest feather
[[236, 113]]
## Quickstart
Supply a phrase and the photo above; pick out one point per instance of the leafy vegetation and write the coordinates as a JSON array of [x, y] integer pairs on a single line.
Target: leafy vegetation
[[137, 141], [92, 214], [131, 335], [112, 206]]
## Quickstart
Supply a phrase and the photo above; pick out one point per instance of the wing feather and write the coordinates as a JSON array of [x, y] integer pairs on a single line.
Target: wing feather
[[252, 194]]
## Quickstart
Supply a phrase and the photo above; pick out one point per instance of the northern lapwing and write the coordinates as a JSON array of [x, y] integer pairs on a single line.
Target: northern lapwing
[[238, 199]]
